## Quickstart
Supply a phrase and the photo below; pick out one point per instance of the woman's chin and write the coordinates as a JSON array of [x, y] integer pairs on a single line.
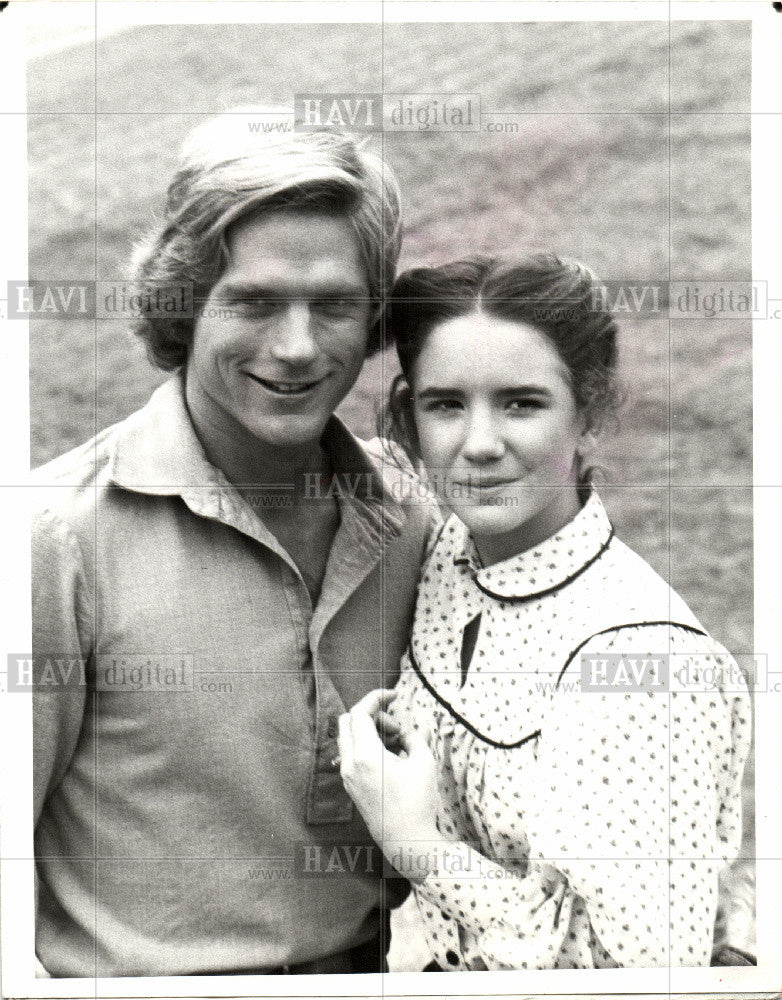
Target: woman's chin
[[486, 520]]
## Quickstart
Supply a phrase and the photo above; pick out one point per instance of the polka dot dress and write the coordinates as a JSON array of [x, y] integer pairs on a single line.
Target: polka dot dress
[[589, 821]]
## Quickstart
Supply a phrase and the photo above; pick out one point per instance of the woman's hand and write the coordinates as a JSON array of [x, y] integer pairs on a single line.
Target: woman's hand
[[396, 794]]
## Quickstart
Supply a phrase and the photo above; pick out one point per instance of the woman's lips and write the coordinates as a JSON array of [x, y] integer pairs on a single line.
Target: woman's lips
[[484, 482]]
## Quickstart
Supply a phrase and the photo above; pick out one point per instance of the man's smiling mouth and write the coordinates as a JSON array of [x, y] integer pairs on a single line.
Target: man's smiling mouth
[[285, 388]]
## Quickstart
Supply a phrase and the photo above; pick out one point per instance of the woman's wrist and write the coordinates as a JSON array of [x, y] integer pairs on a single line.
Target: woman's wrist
[[417, 858]]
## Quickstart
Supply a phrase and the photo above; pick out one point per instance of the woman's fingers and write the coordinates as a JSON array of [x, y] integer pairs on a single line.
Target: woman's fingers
[[366, 742], [375, 701], [387, 724], [345, 742], [359, 728], [390, 732], [415, 743], [387, 721]]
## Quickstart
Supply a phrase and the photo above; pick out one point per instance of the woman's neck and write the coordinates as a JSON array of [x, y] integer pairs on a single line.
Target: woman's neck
[[496, 548]]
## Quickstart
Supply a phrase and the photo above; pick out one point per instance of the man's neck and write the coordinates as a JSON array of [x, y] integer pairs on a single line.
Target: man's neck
[[251, 464], [303, 525]]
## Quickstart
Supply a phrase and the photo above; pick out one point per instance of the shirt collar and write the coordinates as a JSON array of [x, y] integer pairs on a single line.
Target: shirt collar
[[365, 477], [547, 567], [157, 451]]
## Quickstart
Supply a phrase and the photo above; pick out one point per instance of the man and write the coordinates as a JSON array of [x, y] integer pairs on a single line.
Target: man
[[234, 569]]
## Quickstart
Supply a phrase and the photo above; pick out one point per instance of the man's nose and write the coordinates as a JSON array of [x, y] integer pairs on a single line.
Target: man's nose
[[293, 341], [483, 442]]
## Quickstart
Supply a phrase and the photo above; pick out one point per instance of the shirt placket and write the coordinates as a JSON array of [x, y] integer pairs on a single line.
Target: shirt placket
[[327, 800], [357, 550]]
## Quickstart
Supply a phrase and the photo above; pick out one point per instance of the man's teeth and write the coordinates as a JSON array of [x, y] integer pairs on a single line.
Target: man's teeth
[[290, 387]]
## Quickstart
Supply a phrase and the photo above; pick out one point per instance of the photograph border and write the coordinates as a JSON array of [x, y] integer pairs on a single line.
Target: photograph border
[[16, 867]]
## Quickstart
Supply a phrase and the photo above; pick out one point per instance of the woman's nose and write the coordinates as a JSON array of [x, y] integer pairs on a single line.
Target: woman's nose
[[484, 441], [292, 340]]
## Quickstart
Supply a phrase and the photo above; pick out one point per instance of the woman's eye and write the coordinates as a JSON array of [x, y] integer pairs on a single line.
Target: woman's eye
[[442, 406], [523, 405]]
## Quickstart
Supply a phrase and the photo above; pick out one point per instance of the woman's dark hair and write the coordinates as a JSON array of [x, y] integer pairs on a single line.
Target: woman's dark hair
[[560, 297]]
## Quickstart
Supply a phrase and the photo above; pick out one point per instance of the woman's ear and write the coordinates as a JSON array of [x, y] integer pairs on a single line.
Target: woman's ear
[[587, 440]]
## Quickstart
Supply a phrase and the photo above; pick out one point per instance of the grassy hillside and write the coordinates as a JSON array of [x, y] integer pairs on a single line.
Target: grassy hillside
[[597, 169]]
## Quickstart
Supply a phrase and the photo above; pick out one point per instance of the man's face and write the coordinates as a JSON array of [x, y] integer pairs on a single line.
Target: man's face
[[282, 337]]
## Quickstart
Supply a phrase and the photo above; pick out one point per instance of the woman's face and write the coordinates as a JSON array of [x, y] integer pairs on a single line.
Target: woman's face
[[498, 429]]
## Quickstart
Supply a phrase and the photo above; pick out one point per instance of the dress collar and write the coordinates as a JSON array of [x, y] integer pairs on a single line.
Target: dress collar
[[547, 567]]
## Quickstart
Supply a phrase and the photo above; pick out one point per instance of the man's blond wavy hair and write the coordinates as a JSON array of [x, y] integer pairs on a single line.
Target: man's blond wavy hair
[[250, 160]]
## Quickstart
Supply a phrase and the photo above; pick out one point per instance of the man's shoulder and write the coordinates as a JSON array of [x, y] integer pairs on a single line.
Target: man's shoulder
[[81, 466], [399, 475], [387, 456], [91, 464], [65, 490], [419, 513]]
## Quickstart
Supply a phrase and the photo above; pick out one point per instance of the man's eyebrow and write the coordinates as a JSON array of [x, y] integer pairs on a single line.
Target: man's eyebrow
[[247, 291], [232, 290]]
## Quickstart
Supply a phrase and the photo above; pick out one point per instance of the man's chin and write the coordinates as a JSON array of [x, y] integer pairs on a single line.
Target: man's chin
[[293, 431]]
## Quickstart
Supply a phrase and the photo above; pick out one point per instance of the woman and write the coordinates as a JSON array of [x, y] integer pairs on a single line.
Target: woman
[[569, 785]]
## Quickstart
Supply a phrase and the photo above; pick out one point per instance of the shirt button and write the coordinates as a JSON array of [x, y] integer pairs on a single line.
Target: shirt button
[[451, 957], [332, 728]]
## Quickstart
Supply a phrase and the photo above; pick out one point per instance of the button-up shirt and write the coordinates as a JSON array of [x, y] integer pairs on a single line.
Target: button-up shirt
[[566, 755], [190, 815]]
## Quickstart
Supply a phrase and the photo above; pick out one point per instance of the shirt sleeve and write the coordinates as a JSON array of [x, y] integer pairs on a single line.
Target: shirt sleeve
[[636, 798], [62, 630]]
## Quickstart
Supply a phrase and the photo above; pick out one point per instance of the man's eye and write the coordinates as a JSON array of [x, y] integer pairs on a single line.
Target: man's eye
[[253, 307], [338, 307]]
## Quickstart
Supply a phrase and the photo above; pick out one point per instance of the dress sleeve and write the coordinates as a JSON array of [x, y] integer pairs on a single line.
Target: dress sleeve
[[519, 920], [413, 707], [636, 798], [62, 629]]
